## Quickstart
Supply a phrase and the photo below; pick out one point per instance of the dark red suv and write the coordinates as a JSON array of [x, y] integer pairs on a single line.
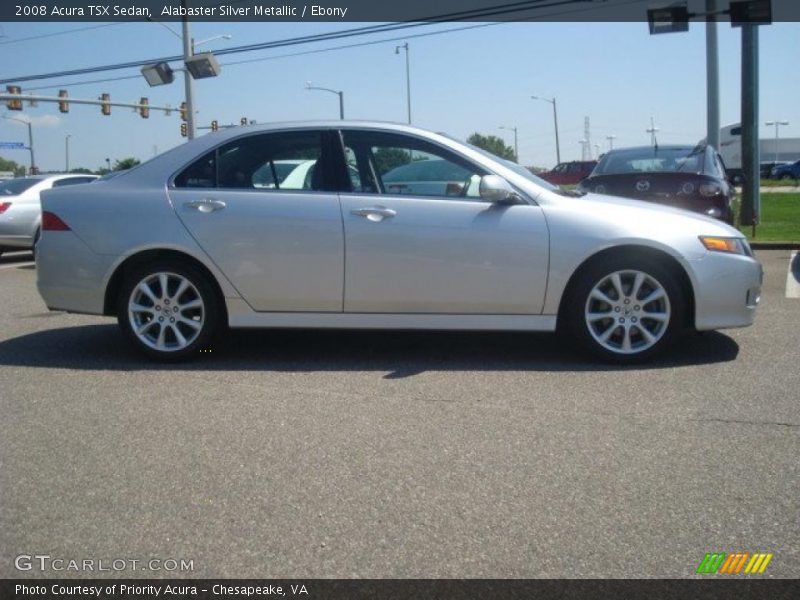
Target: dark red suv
[[569, 173]]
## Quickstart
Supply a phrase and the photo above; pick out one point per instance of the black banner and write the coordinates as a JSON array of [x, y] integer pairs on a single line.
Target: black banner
[[367, 10], [394, 589]]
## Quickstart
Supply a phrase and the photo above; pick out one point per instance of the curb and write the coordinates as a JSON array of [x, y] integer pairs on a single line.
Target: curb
[[774, 245]]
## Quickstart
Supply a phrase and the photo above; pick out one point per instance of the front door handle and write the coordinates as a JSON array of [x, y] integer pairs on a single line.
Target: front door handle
[[206, 205], [374, 213]]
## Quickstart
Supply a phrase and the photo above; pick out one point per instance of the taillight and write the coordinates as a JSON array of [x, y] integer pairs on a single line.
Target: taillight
[[52, 222], [4, 207]]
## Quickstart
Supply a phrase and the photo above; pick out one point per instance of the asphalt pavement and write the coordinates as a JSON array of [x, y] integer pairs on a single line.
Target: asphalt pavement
[[378, 454]]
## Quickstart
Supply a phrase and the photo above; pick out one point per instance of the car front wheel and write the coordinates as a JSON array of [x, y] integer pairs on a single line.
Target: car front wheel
[[168, 310], [625, 310]]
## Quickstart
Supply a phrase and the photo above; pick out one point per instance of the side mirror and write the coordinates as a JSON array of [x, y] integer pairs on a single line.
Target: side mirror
[[497, 190]]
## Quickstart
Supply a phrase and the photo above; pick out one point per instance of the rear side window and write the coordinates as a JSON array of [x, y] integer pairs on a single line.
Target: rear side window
[[271, 161], [72, 181]]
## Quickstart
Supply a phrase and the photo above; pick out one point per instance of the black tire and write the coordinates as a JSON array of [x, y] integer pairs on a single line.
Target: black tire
[[208, 317], [36, 237], [578, 305]]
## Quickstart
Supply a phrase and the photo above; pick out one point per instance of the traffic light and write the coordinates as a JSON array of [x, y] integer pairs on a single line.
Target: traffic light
[[243, 121], [63, 105], [144, 108], [106, 104], [184, 112], [16, 103], [214, 125], [184, 130]]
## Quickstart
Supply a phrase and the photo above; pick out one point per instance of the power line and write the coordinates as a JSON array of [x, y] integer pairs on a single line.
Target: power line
[[55, 33], [470, 14]]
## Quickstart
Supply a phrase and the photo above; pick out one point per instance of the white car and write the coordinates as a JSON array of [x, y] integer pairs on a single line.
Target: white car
[[20, 209]]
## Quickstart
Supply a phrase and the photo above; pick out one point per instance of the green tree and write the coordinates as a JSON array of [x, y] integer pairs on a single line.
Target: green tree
[[10, 165], [82, 171], [493, 144], [126, 163]]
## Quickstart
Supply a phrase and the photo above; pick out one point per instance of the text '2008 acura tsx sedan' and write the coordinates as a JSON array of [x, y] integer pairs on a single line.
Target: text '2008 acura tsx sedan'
[[373, 225]]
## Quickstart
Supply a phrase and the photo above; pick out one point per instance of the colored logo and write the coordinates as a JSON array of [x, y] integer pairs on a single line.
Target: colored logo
[[735, 563]]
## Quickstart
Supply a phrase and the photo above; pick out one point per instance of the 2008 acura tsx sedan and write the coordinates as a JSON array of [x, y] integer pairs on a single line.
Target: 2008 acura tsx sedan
[[373, 225]]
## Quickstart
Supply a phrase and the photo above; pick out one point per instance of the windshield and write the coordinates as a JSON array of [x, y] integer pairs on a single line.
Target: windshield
[[685, 159], [14, 187]]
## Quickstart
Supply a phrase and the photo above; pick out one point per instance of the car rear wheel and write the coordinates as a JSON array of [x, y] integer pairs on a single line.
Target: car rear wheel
[[168, 310], [625, 310]]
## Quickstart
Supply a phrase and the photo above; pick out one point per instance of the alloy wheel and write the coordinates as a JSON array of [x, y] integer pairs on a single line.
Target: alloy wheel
[[627, 312], [166, 311]]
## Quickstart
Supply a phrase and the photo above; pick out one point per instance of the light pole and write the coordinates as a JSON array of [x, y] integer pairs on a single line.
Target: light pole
[[337, 92], [66, 152], [555, 122], [408, 77], [777, 124], [108, 164], [516, 146], [611, 139], [30, 139]]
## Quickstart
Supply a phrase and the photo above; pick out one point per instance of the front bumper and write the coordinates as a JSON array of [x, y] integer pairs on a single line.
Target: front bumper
[[727, 290]]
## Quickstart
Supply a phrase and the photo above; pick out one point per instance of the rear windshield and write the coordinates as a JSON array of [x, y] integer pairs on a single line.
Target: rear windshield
[[653, 160], [14, 187]]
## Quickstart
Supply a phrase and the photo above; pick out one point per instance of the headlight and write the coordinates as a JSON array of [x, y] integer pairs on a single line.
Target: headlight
[[710, 189], [714, 212], [600, 189], [725, 244]]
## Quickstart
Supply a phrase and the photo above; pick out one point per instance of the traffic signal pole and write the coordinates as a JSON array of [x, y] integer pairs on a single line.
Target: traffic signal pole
[[188, 52]]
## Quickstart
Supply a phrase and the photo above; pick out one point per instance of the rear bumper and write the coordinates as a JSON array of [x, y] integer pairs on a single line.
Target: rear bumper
[[69, 276], [727, 290]]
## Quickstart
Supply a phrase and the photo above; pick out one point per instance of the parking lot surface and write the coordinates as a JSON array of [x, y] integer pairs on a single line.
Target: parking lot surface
[[383, 454]]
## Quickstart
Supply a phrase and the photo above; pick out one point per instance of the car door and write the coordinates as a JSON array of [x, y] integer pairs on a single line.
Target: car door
[[419, 239], [259, 208]]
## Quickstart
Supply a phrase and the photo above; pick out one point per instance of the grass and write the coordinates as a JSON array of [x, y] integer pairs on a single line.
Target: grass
[[780, 219]]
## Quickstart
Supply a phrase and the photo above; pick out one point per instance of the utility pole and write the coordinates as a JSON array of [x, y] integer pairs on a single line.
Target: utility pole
[[66, 144], [408, 77], [712, 76], [611, 139], [751, 199], [188, 52], [652, 131], [516, 145]]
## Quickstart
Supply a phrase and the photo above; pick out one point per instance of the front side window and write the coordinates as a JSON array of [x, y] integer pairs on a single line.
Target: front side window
[[271, 161], [388, 163]]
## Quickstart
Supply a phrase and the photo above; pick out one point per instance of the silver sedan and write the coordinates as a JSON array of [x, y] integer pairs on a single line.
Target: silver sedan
[[216, 233]]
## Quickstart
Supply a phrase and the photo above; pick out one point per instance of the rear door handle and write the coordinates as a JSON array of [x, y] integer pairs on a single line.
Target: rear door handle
[[374, 213], [206, 205]]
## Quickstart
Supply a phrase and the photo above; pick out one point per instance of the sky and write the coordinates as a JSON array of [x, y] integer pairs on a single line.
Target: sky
[[616, 74]]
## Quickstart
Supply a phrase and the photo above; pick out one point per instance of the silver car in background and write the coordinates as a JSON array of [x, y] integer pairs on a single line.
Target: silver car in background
[[20, 211], [210, 235]]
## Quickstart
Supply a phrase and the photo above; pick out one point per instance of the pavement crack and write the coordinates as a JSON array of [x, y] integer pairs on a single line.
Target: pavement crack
[[746, 422]]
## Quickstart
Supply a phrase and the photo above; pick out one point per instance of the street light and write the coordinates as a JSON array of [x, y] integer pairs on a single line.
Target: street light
[[224, 36], [30, 138], [337, 92], [777, 124], [516, 146], [555, 122], [408, 77], [66, 152], [611, 139]]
